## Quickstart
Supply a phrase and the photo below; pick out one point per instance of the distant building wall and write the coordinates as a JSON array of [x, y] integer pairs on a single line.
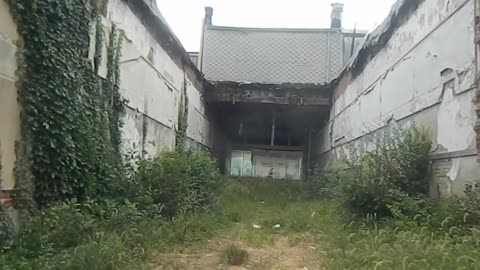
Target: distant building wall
[[266, 163], [424, 74]]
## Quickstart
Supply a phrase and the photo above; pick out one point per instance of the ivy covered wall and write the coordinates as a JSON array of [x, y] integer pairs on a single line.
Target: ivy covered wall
[[70, 116], [95, 82]]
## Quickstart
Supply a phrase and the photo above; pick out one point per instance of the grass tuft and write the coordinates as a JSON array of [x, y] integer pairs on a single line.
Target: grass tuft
[[234, 255]]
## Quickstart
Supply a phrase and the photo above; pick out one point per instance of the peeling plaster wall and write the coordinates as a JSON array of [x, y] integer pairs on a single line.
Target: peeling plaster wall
[[9, 107], [425, 74], [152, 81]]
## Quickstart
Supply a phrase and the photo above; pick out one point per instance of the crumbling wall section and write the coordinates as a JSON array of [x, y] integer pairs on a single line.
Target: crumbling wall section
[[155, 72], [9, 107], [417, 67], [477, 51]]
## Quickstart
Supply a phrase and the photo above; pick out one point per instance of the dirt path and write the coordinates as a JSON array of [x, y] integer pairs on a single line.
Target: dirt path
[[281, 252]]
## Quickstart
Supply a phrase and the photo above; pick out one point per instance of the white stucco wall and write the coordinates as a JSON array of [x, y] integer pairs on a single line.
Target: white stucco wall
[[425, 74], [152, 82], [9, 107]]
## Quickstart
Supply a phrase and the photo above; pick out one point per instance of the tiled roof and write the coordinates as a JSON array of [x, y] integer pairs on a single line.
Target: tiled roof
[[272, 55]]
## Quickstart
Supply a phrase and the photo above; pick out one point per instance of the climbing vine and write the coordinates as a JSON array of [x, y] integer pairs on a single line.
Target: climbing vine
[[99, 40], [71, 150], [181, 135], [6, 228], [112, 89]]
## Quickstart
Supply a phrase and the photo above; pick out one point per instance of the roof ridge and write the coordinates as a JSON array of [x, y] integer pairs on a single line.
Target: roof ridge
[[271, 29]]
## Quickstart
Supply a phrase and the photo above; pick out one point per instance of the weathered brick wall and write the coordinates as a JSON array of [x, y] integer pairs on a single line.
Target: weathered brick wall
[[6, 199]]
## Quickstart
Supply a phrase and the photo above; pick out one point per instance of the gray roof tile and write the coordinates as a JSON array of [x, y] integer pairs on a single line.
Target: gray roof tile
[[272, 55]]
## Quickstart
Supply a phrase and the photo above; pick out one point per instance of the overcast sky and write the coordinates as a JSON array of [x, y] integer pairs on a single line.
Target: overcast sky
[[185, 16]]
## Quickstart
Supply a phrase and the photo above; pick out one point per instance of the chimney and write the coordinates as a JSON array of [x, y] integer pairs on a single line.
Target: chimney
[[208, 15], [337, 14]]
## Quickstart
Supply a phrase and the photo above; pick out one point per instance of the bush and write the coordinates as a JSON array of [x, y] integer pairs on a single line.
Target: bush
[[390, 181], [180, 181], [324, 185], [62, 226], [7, 231]]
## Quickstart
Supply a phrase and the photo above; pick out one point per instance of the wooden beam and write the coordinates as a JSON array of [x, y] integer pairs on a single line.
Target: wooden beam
[[322, 101], [267, 147]]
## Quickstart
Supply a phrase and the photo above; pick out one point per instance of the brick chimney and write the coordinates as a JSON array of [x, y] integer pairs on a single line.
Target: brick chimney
[[337, 14], [208, 15]]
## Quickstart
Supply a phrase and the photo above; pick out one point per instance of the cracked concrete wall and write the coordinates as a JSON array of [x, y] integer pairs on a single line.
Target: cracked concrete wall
[[9, 107], [425, 74], [152, 81]]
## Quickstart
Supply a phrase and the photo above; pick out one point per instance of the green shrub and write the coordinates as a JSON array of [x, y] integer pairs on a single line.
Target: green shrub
[[324, 185], [62, 226], [118, 216], [381, 181], [7, 231], [180, 181]]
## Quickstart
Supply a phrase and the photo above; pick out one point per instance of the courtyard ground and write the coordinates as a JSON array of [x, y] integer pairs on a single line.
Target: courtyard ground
[[273, 224]]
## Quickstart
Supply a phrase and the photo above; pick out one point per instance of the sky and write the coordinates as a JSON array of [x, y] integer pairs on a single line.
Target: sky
[[185, 16]]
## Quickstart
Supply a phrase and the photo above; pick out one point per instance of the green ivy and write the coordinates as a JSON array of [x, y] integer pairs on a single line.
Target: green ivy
[[112, 88], [99, 40], [181, 135], [71, 150], [7, 230]]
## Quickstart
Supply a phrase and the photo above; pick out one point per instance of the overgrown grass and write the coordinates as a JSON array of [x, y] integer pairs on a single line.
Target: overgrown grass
[[391, 222], [414, 232], [234, 255], [164, 202], [445, 239], [126, 242]]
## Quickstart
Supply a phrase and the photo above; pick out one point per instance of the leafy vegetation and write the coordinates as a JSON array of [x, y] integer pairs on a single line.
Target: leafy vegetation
[[181, 135], [119, 231], [391, 222], [390, 181], [125, 234], [181, 182], [70, 152]]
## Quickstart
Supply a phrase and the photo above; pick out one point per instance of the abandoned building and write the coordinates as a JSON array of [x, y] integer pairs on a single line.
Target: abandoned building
[[272, 89], [276, 102]]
